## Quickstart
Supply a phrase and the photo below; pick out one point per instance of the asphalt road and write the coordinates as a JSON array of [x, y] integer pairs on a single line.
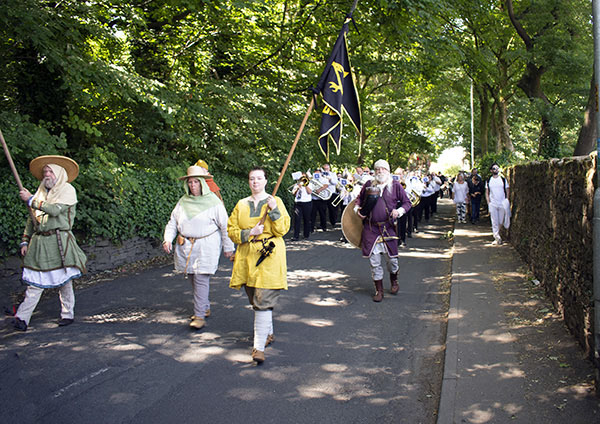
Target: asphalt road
[[130, 357]]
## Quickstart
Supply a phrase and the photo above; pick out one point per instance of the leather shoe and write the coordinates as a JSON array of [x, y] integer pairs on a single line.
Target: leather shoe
[[258, 356], [19, 324], [197, 323], [270, 339], [65, 321]]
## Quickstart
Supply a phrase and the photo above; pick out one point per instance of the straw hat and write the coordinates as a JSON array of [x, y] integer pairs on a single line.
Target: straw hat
[[352, 225], [36, 166], [194, 172]]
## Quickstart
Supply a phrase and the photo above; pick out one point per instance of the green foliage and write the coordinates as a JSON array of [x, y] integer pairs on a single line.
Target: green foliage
[[504, 159], [136, 92], [14, 211]]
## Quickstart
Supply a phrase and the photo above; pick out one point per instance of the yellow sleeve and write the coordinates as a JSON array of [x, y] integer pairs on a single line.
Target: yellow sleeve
[[233, 227], [281, 225]]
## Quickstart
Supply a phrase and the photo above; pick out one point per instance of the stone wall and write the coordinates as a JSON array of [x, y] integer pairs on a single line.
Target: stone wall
[[551, 228], [102, 256]]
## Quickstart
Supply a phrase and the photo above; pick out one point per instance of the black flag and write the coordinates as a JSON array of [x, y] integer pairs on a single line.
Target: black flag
[[338, 90]]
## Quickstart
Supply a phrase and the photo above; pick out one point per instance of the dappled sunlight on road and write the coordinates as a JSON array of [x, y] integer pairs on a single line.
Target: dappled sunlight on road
[[299, 275], [423, 255], [316, 300], [312, 322], [492, 336]]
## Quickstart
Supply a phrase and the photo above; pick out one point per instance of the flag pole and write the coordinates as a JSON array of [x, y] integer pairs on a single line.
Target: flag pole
[[15, 173], [300, 130], [289, 157]]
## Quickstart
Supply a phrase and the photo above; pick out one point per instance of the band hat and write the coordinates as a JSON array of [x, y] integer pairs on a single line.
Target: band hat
[[195, 172], [382, 164], [36, 166]]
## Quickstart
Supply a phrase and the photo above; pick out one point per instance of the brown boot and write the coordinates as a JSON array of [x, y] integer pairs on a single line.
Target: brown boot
[[378, 291], [394, 281]]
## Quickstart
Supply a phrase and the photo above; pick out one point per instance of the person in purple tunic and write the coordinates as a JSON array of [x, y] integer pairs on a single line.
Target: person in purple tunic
[[379, 238]]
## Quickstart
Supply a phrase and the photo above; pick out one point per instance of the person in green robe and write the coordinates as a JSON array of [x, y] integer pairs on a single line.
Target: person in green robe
[[51, 256]]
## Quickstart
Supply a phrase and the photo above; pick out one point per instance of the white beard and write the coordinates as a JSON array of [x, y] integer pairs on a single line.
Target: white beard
[[49, 183], [381, 179]]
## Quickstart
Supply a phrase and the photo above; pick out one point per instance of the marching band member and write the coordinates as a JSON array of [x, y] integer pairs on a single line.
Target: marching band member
[[378, 234], [403, 220], [302, 207], [415, 185], [436, 182], [322, 197], [427, 198], [331, 181]]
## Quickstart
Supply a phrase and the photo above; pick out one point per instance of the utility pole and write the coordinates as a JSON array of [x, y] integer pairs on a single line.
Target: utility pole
[[596, 246]]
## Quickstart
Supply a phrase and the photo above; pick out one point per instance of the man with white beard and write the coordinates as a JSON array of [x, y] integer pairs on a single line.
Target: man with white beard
[[380, 202], [52, 258]]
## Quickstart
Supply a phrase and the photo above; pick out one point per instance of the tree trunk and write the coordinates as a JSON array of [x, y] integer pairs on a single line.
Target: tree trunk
[[531, 84], [504, 128], [484, 121], [495, 126], [586, 142]]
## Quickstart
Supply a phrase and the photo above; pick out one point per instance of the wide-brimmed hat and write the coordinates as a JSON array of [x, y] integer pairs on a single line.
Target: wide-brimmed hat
[[36, 166], [195, 172]]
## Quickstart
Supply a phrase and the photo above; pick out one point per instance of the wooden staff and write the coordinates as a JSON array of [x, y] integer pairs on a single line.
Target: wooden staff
[[289, 157], [15, 174]]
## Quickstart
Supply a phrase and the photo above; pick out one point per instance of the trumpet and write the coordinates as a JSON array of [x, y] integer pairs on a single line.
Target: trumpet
[[348, 188]]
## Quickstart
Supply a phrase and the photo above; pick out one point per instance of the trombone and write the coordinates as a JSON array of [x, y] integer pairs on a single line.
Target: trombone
[[348, 188], [303, 181]]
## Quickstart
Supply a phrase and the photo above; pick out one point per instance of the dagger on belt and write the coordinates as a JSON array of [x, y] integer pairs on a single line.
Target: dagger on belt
[[266, 250]]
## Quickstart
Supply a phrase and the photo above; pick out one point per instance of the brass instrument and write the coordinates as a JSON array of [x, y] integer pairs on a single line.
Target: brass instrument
[[343, 191], [303, 180], [414, 198], [318, 190]]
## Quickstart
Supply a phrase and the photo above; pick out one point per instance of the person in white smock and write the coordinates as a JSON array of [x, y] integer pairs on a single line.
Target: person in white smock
[[199, 221]]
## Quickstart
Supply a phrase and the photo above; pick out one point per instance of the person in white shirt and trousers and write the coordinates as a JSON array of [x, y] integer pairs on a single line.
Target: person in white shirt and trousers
[[496, 194]]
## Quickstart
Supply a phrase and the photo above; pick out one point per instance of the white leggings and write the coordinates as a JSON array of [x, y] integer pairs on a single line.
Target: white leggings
[[33, 295], [200, 287], [376, 265]]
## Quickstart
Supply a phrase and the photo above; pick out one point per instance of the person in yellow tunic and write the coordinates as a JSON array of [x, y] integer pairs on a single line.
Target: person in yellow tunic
[[262, 282]]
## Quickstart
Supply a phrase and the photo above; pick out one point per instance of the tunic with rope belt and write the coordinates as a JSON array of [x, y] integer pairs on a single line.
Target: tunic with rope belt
[[379, 223], [272, 272]]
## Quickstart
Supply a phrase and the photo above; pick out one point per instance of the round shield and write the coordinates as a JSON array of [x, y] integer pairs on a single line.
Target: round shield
[[352, 225]]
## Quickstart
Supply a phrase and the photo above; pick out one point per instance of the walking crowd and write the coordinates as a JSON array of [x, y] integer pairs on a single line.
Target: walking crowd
[[384, 208]]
